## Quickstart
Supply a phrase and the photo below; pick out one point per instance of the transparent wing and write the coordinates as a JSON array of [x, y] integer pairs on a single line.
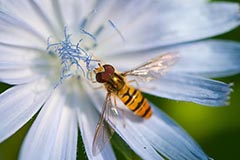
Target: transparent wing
[[153, 68], [104, 131]]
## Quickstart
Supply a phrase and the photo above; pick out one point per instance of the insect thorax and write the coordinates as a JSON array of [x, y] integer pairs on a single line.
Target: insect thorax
[[115, 83]]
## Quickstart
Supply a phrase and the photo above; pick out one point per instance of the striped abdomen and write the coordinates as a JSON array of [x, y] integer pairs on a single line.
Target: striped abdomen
[[134, 100]]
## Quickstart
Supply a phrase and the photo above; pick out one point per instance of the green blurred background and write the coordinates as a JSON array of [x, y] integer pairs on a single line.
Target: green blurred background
[[217, 130]]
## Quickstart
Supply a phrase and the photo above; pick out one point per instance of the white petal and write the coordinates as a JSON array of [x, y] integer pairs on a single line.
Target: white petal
[[131, 136], [21, 60], [167, 137], [65, 146], [158, 28], [93, 14], [211, 58], [15, 58], [29, 13], [130, 9], [43, 137], [17, 32], [88, 118], [137, 141], [50, 11], [21, 65], [75, 12], [18, 76], [189, 88], [18, 104]]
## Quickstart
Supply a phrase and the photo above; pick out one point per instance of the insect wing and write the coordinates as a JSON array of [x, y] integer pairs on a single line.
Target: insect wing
[[153, 68], [104, 131]]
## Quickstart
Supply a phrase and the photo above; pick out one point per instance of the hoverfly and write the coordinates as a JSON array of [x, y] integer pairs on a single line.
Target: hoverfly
[[116, 85]]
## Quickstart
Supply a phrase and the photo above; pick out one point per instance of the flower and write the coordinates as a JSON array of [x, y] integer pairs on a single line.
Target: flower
[[149, 28]]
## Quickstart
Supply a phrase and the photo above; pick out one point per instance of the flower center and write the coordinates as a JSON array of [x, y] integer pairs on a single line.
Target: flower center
[[74, 59]]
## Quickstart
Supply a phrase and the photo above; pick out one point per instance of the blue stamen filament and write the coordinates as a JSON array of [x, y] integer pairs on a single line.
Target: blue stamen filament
[[71, 55]]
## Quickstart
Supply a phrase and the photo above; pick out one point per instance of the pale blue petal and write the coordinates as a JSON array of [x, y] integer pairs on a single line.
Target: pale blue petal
[[131, 136], [41, 138], [65, 146], [189, 88], [157, 28], [50, 12], [21, 65], [28, 12], [88, 118], [14, 58], [137, 140], [75, 13], [17, 32], [18, 105], [164, 135], [167, 137], [130, 9], [95, 14], [18, 76], [211, 58]]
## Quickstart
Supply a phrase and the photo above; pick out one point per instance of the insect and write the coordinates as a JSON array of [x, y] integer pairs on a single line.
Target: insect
[[116, 85]]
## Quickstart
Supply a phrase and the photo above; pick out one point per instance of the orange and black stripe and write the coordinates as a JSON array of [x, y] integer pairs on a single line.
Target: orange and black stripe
[[134, 100]]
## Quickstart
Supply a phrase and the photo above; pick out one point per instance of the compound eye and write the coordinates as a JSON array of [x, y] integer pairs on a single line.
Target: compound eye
[[99, 78], [108, 69], [102, 77]]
